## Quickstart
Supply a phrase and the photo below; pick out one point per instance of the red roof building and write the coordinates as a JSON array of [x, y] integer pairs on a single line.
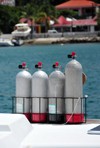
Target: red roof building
[[61, 21], [84, 22], [35, 27], [84, 7], [23, 20], [65, 26]]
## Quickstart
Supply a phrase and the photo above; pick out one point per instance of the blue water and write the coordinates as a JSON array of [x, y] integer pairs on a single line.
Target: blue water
[[87, 54]]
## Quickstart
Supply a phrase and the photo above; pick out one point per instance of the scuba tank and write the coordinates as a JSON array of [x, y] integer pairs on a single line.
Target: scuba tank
[[39, 94], [73, 90], [23, 91], [56, 83]]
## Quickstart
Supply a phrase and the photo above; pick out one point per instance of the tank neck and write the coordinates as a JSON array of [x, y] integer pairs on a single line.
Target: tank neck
[[39, 69], [74, 59], [57, 69]]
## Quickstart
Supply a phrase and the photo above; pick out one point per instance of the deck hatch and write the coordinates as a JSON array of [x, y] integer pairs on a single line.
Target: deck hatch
[[95, 130], [4, 128]]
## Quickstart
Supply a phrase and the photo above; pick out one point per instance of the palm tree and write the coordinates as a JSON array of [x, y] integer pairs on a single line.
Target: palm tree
[[41, 15], [9, 15], [46, 12], [42, 18], [98, 18], [29, 14]]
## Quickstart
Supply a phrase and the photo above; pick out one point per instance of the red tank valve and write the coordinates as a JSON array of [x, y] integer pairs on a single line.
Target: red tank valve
[[23, 64], [57, 64], [73, 53], [39, 65]]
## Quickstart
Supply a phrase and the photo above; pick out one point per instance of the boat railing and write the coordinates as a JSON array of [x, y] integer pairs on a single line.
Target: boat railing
[[68, 108], [22, 29]]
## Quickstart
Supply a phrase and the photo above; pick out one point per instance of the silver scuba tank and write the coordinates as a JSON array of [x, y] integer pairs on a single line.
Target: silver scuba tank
[[56, 82], [23, 91], [73, 89], [39, 94]]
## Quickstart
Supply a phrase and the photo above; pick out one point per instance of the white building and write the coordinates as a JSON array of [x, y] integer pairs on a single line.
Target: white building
[[8, 2]]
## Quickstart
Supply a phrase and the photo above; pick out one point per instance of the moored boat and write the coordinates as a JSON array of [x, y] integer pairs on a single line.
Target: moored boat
[[21, 30], [6, 42], [11, 42], [17, 42]]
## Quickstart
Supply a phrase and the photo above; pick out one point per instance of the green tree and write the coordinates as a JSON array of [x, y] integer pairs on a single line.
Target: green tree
[[48, 9], [9, 16], [21, 2], [66, 13], [40, 14], [40, 2], [42, 18], [54, 3], [98, 19], [14, 13], [46, 12], [30, 13]]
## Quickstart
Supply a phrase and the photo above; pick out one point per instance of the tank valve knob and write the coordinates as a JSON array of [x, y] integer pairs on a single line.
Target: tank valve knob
[[36, 66], [39, 65], [72, 55], [55, 65], [22, 66], [69, 56]]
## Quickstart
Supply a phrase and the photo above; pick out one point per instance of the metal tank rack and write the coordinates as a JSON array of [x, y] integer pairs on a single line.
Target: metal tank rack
[[54, 99], [63, 115]]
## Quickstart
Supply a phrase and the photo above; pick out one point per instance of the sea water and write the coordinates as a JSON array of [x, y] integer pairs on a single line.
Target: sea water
[[87, 54]]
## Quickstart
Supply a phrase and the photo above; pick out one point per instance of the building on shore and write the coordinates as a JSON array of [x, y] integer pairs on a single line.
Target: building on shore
[[62, 25], [87, 25], [86, 9], [85, 22], [8, 2], [85, 18]]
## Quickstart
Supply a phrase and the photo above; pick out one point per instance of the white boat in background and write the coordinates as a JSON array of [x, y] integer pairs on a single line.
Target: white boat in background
[[6, 42], [17, 42], [21, 30], [10, 42]]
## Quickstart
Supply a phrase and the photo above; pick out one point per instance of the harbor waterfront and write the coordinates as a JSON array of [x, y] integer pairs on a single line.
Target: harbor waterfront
[[59, 38], [62, 40], [88, 54]]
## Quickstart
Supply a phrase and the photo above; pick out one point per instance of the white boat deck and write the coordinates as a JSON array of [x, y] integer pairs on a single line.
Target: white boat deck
[[6, 42], [17, 132]]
